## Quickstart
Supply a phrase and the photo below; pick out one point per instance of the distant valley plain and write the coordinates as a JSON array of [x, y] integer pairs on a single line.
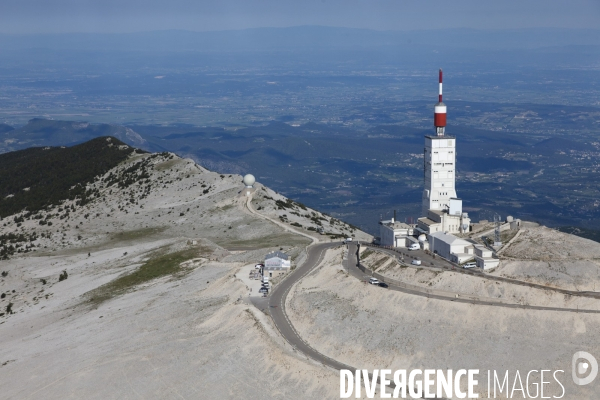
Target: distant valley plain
[[336, 126]]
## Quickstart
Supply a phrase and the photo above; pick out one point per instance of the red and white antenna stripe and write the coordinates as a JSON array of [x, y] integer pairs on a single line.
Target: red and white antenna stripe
[[439, 119], [440, 94]]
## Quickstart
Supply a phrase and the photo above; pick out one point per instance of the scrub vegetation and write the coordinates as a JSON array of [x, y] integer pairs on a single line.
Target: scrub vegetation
[[162, 265]]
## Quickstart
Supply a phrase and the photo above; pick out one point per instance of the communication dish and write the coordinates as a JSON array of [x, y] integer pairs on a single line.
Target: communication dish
[[249, 180]]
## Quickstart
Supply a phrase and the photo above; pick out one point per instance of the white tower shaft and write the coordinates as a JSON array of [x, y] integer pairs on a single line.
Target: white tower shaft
[[439, 172]]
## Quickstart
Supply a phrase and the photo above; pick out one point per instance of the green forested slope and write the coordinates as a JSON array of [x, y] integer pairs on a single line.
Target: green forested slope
[[37, 177]]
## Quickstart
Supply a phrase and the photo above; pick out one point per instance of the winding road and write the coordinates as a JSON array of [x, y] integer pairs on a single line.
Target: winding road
[[423, 292], [315, 253], [276, 301], [277, 306], [443, 264]]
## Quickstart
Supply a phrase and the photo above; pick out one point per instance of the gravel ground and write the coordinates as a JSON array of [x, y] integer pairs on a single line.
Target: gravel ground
[[371, 327]]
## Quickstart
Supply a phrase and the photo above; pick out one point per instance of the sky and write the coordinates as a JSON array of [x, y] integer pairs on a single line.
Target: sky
[[116, 16]]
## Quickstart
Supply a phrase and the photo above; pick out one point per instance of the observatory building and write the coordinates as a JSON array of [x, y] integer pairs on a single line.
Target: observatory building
[[441, 209], [248, 181]]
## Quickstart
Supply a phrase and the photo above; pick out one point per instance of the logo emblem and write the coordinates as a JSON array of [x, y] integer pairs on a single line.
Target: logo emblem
[[583, 363]]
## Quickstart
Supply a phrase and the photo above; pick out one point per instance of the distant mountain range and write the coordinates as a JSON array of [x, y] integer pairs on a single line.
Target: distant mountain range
[[304, 37], [43, 132]]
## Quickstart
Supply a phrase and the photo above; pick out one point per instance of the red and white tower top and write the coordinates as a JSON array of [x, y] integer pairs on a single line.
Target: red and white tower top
[[439, 117]]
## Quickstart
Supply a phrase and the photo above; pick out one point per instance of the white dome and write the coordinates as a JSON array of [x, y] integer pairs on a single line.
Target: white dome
[[249, 180], [422, 238]]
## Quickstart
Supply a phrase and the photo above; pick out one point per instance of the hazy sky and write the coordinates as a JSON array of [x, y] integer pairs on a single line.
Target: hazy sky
[[33, 16]]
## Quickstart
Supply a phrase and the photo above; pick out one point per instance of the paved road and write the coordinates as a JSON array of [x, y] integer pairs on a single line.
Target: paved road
[[360, 274], [439, 262], [276, 301], [277, 307]]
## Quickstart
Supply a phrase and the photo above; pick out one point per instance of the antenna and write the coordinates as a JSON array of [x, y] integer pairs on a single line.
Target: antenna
[[440, 92], [439, 117], [497, 222]]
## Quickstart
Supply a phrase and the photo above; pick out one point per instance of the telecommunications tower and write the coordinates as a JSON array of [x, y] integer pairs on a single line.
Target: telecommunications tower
[[439, 162]]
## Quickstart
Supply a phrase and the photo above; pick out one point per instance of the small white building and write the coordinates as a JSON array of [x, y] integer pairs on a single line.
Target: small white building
[[484, 257], [450, 247], [451, 220], [395, 234], [276, 263]]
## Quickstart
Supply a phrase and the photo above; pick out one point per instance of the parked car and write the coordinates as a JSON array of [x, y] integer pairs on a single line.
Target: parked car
[[263, 290], [416, 261], [414, 246], [383, 284], [259, 266], [373, 281], [469, 265]]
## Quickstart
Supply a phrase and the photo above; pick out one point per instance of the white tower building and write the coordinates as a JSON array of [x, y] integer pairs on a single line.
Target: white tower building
[[439, 164], [442, 211]]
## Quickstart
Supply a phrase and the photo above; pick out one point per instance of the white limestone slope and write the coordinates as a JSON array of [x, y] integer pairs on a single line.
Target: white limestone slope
[[186, 335], [371, 327]]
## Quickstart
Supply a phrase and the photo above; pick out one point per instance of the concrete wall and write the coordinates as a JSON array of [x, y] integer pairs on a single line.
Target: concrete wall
[[387, 235], [440, 247]]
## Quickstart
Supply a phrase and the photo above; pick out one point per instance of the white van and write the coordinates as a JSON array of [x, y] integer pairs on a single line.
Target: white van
[[348, 240], [414, 246], [470, 265]]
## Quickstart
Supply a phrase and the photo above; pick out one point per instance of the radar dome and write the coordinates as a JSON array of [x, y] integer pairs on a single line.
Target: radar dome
[[422, 238], [249, 180]]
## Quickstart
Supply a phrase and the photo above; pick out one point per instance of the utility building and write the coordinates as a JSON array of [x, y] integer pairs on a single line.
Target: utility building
[[450, 247], [276, 263], [484, 257], [395, 234]]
